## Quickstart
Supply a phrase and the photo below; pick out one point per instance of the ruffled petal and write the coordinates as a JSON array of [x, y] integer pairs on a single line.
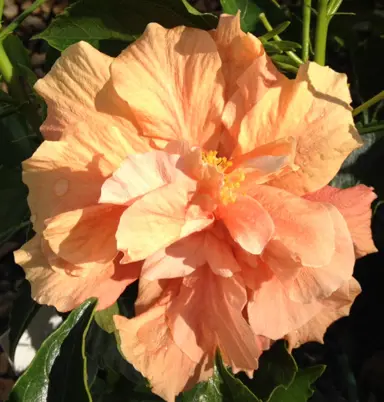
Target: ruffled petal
[[314, 109], [66, 292], [139, 174], [176, 74], [85, 236], [157, 220], [355, 205], [334, 307], [248, 223]]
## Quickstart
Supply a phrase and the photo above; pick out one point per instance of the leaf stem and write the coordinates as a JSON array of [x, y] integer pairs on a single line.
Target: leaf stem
[[368, 103], [321, 32], [307, 4], [1, 10], [371, 128], [17, 21], [277, 38]]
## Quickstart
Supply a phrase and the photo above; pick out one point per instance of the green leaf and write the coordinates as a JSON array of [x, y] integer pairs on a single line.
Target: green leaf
[[208, 391], [24, 309], [275, 31], [8, 105], [250, 11], [277, 367], [104, 318], [97, 20], [58, 371], [300, 390], [237, 390], [14, 211]]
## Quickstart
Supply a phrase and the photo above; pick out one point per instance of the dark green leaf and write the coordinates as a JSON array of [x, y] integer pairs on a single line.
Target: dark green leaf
[[14, 211], [125, 20], [276, 367], [23, 310], [209, 391], [58, 371], [104, 318], [8, 105], [234, 388], [275, 31], [250, 11], [300, 390]]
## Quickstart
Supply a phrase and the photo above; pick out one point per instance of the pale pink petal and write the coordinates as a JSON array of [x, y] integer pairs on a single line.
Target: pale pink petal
[[139, 174], [355, 205], [66, 292], [321, 282], [171, 80], [314, 109], [177, 260], [157, 220], [336, 306], [208, 312], [146, 342], [300, 226], [85, 236], [248, 223]]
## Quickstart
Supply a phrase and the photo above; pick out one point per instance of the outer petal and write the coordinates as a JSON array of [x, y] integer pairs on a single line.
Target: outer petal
[[68, 174], [147, 343], [248, 223], [303, 228], [139, 174], [176, 72], [314, 108], [355, 205], [85, 236], [208, 312], [157, 220], [66, 292], [336, 306], [70, 90]]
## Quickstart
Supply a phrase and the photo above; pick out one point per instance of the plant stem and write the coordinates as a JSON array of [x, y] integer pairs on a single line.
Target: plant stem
[[17, 21], [1, 10], [277, 38], [368, 103], [321, 32], [371, 128], [306, 29]]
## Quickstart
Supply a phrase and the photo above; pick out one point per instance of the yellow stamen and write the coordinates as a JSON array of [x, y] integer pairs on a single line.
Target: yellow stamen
[[231, 182]]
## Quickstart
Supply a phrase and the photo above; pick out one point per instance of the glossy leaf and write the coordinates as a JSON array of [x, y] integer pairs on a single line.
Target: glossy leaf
[[104, 318], [58, 371], [300, 390], [23, 311], [125, 20]]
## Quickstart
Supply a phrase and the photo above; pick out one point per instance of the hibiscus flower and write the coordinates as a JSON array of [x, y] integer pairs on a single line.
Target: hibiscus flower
[[192, 163]]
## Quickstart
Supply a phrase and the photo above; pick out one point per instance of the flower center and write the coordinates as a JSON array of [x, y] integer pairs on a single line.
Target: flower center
[[231, 182]]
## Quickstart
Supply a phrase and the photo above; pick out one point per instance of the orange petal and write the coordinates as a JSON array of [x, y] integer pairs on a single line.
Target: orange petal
[[271, 313], [208, 310], [68, 174], [300, 227], [66, 292], [314, 108], [147, 343], [176, 72], [321, 282], [137, 175], [219, 256], [85, 236], [177, 260], [355, 205], [248, 223], [157, 220], [334, 307]]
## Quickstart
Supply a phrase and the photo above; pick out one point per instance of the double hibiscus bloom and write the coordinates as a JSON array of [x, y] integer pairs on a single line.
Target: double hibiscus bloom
[[190, 163]]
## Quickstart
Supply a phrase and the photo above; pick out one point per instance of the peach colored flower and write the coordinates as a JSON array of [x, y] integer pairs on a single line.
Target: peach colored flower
[[190, 161]]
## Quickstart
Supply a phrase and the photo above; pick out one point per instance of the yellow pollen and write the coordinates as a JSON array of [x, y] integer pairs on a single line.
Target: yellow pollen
[[231, 182]]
